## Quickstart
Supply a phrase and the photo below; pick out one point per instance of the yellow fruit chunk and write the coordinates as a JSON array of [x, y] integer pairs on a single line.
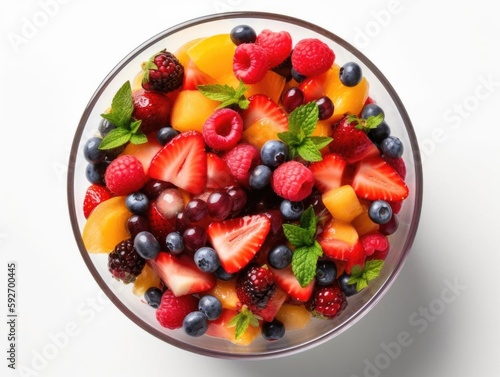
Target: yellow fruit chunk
[[363, 223], [106, 226], [342, 203], [294, 317], [342, 231], [143, 152], [261, 131], [214, 55], [345, 99], [146, 279], [190, 110], [137, 82], [182, 52], [271, 85], [225, 291]]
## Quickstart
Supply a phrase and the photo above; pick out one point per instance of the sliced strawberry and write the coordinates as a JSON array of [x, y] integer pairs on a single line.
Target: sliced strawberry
[[181, 275], [288, 282], [398, 164], [328, 173], [218, 173], [352, 143], [238, 240], [375, 179], [183, 162], [263, 107], [94, 195], [159, 225], [193, 76], [312, 88], [339, 250]]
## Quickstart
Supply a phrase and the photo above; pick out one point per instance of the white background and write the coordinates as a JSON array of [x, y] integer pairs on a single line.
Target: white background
[[442, 58]]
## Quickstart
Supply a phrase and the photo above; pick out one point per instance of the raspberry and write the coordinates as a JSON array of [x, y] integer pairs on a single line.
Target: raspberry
[[173, 309], [163, 73], [250, 63], [223, 129], [293, 181], [125, 175], [241, 160], [327, 302], [254, 287], [278, 45], [373, 242], [312, 57], [124, 263]]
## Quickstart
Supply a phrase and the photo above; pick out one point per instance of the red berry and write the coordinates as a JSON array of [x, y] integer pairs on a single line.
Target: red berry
[[241, 160], [125, 175], [254, 287], [223, 129], [373, 242], [312, 57], [250, 63], [94, 195], [152, 109], [293, 181], [173, 309], [398, 164], [327, 302], [278, 45], [163, 73]]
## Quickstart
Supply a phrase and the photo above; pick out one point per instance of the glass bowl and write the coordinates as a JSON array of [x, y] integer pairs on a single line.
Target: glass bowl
[[318, 331]]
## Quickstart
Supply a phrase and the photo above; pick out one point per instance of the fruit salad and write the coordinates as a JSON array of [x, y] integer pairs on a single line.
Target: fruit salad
[[243, 185]]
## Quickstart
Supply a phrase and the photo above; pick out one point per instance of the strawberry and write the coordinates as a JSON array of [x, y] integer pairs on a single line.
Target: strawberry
[[183, 162], [312, 88], [287, 281], [152, 109], [351, 141], [193, 76], [398, 164], [238, 240], [94, 195], [181, 275], [173, 309], [328, 173], [218, 173], [375, 179], [262, 107]]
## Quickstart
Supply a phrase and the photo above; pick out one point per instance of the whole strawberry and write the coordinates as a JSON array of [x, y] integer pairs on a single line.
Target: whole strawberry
[[162, 73], [173, 309], [152, 109], [327, 302]]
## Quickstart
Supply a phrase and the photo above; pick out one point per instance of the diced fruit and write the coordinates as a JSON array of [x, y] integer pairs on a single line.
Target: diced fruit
[[339, 230], [271, 86], [106, 226], [147, 279], [183, 162], [328, 173], [342, 203], [214, 55], [143, 152], [193, 76], [220, 328], [181, 275], [94, 195], [262, 107], [312, 88], [261, 131], [190, 110], [289, 283], [225, 291], [294, 317], [238, 240], [182, 52], [364, 224]]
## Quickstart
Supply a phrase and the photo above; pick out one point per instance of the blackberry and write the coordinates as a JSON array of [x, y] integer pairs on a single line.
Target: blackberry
[[254, 287], [162, 73], [124, 263]]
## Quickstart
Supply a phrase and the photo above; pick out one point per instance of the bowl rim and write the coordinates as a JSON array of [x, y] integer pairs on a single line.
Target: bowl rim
[[288, 350]]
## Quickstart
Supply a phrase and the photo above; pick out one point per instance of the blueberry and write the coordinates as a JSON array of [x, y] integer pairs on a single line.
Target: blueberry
[[243, 34], [348, 289], [105, 126], [380, 212], [195, 324], [95, 172], [206, 259], [174, 242], [153, 297], [297, 76], [146, 245], [372, 109], [91, 150], [222, 274], [137, 203], [326, 272], [165, 134], [279, 257], [210, 306], [273, 330], [273, 153], [350, 74], [291, 210], [392, 147], [378, 134], [260, 177]]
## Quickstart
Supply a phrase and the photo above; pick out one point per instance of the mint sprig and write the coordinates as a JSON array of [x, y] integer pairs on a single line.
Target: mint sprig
[[366, 124], [127, 128], [301, 124], [225, 94], [242, 320], [307, 249], [362, 276]]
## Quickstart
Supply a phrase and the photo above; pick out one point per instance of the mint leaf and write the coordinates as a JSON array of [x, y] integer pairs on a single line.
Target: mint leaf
[[366, 124], [225, 94], [122, 106], [115, 138], [308, 221], [242, 320], [138, 138], [309, 151], [296, 235], [304, 262], [304, 119], [362, 276], [321, 141]]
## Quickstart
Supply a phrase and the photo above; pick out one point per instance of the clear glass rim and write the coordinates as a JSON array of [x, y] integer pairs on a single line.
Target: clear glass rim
[[285, 350]]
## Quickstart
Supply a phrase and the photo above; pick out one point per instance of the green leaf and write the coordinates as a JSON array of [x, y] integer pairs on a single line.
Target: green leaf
[[362, 276], [225, 94], [309, 151], [122, 106], [139, 138], [289, 138], [304, 262], [373, 121], [373, 268], [115, 138], [304, 119], [242, 320], [296, 235], [321, 141], [308, 221], [134, 126]]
